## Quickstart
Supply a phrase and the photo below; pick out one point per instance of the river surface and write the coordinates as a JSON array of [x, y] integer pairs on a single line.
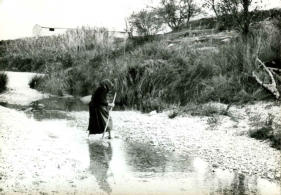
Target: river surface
[[69, 161]]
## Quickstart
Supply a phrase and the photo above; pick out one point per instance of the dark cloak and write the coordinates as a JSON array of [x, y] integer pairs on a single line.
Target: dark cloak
[[98, 111]]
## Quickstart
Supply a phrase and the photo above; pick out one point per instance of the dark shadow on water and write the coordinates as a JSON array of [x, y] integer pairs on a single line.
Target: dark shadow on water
[[149, 163], [63, 104], [50, 108], [14, 106], [100, 157], [145, 158], [56, 108]]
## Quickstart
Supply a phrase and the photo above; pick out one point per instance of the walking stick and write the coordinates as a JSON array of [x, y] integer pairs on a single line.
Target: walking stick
[[108, 116]]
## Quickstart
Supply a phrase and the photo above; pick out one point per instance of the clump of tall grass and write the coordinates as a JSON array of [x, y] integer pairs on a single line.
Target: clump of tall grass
[[180, 75], [3, 81], [155, 72], [36, 81], [78, 80], [265, 131], [55, 80], [33, 54]]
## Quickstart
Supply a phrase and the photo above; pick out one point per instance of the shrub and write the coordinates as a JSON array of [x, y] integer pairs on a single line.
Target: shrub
[[3, 81], [36, 82], [267, 132], [54, 81], [78, 83]]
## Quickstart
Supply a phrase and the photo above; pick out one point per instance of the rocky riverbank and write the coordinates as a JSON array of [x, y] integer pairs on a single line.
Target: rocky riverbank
[[224, 143], [55, 146]]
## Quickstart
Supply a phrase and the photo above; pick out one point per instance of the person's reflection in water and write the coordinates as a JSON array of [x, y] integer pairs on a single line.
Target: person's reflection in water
[[100, 157], [239, 186]]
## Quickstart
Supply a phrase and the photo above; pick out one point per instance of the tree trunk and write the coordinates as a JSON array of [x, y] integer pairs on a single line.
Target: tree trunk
[[246, 17]]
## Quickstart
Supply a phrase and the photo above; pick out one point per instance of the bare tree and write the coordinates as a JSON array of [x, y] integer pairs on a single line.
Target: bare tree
[[177, 13], [246, 20], [212, 4]]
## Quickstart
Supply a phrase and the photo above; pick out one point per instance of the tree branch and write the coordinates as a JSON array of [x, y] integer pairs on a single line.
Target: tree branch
[[270, 87]]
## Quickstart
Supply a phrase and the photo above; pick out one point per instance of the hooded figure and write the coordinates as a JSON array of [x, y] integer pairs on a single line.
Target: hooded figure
[[98, 109]]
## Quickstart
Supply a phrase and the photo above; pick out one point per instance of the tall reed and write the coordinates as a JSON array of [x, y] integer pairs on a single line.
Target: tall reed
[[148, 73]]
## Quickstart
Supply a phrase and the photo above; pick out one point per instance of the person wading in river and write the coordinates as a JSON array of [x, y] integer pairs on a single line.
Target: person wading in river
[[98, 109]]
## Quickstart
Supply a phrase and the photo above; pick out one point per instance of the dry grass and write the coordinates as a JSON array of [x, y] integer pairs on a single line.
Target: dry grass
[[148, 73]]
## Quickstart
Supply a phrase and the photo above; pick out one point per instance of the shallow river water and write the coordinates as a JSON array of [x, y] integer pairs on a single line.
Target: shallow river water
[[133, 168]]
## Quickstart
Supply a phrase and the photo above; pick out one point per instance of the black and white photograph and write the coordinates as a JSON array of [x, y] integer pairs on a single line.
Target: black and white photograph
[[140, 97]]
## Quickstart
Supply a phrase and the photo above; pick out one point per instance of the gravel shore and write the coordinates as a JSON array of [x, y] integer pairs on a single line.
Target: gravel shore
[[225, 145]]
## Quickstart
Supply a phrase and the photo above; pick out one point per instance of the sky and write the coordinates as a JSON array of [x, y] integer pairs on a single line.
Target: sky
[[18, 17]]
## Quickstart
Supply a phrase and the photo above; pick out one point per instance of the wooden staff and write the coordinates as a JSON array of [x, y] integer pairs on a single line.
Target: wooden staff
[[107, 122]]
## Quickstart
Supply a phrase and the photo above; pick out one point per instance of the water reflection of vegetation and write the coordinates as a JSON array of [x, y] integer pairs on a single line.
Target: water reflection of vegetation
[[55, 108], [48, 114], [63, 104], [147, 159], [50, 108], [13, 106]]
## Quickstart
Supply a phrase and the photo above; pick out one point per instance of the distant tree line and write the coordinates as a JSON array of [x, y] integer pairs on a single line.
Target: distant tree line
[[234, 12], [172, 13], [176, 14]]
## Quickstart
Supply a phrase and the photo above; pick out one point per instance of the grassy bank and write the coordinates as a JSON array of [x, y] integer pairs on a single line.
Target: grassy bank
[[149, 73], [158, 74]]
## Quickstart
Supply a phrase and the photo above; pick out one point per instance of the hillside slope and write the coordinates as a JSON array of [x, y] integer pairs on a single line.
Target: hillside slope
[[152, 73]]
